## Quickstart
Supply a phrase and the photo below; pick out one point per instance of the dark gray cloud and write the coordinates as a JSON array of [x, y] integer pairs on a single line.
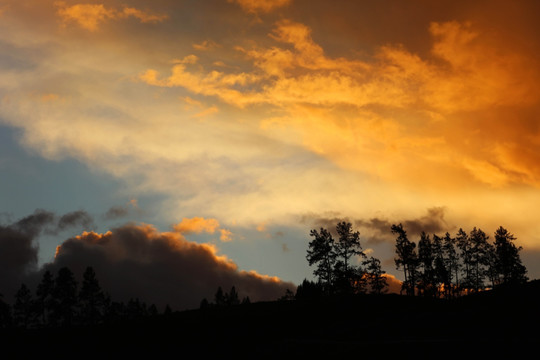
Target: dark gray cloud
[[377, 229], [19, 246], [327, 220], [432, 223], [19, 250], [116, 212], [76, 218], [35, 223], [18, 257], [46, 221]]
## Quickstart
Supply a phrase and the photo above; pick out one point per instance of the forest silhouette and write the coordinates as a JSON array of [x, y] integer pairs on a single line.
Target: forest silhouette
[[460, 293]]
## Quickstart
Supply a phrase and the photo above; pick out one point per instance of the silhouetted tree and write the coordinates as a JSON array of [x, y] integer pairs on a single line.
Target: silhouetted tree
[[465, 254], [136, 309], [507, 261], [64, 297], [426, 281], [91, 298], [309, 290], [335, 270], [204, 304], [322, 252], [348, 246], [441, 268], [23, 311], [246, 300], [479, 257], [232, 297], [219, 297], [167, 311], [375, 276], [44, 297], [406, 259], [491, 261], [152, 310], [452, 264], [114, 312], [289, 295]]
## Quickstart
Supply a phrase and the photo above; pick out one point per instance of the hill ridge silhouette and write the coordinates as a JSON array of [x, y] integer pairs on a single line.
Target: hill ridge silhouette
[[493, 321]]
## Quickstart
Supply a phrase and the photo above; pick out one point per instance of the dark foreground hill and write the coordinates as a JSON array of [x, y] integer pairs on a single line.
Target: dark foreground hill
[[503, 322]]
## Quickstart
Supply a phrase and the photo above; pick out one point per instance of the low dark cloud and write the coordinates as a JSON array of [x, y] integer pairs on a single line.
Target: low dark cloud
[[160, 267]]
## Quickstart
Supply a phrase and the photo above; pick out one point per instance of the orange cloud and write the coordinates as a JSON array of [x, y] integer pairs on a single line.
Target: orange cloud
[[314, 91], [90, 16], [207, 112], [206, 45], [225, 235], [199, 225], [394, 284], [255, 6], [142, 16]]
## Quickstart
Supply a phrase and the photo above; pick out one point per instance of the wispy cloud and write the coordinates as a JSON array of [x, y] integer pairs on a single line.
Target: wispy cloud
[[256, 6], [91, 16]]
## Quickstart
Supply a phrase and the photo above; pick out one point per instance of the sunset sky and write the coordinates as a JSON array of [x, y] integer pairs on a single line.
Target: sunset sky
[[236, 126]]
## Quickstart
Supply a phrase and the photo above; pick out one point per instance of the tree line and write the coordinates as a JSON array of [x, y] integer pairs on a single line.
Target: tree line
[[224, 299], [342, 267], [449, 266], [437, 266], [59, 302]]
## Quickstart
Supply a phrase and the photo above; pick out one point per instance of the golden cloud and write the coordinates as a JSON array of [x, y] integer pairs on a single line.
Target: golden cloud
[[206, 45], [386, 116], [199, 225], [255, 6], [90, 16]]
